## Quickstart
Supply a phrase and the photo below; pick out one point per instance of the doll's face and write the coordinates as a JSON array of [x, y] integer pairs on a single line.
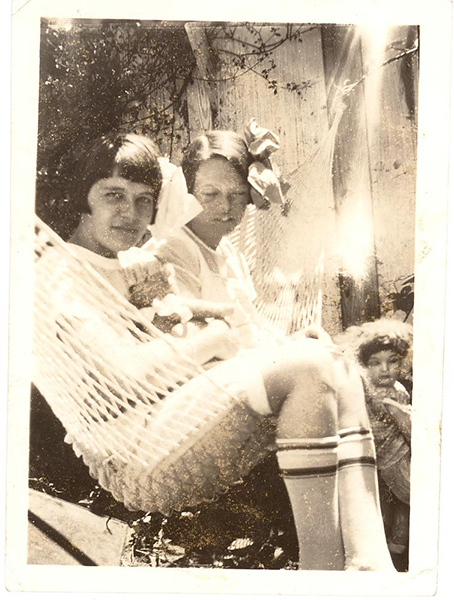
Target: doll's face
[[121, 210], [384, 368], [224, 195]]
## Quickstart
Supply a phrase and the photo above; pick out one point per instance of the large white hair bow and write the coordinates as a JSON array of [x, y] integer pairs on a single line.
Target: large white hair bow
[[263, 174], [176, 206]]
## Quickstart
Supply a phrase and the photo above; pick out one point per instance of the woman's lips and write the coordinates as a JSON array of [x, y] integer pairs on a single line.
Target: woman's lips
[[125, 228]]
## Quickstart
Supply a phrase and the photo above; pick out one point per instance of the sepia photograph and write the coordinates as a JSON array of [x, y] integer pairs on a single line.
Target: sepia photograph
[[232, 314]]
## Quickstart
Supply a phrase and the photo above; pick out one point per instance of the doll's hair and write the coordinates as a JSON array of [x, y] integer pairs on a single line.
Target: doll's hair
[[128, 155], [225, 144], [359, 342], [380, 343]]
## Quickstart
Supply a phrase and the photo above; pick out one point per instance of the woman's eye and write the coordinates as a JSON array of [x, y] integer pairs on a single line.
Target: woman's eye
[[114, 196], [145, 200], [240, 195], [209, 195]]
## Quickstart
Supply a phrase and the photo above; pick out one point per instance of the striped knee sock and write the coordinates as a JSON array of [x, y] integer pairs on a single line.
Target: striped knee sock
[[361, 521], [356, 447], [309, 469]]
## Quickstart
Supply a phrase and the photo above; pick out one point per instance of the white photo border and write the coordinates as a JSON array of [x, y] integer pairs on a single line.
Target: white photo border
[[434, 19]]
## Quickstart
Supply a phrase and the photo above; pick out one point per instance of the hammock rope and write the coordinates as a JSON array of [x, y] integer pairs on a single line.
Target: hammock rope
[[175, 435], [287, 272]]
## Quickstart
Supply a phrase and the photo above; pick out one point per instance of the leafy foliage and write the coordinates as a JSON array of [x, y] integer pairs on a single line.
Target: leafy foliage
[[402, 298], [99, 76], [252, 48]]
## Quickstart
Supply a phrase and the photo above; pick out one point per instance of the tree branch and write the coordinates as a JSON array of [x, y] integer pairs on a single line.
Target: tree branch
[[349, 88]]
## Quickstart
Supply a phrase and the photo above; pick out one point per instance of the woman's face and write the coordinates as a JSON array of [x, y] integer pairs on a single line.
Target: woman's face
[[224, 195], [121, 210], [384, 368]]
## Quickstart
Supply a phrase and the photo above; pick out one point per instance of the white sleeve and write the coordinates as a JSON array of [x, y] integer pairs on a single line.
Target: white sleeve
[[186, 265]]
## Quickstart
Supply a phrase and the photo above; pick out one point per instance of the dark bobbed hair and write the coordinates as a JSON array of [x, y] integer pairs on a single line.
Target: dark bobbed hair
[[128, 155], [380, 343], [225, 144]]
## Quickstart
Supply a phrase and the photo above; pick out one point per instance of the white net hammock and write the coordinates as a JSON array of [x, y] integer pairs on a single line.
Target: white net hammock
[[285, 250], [173, 435]]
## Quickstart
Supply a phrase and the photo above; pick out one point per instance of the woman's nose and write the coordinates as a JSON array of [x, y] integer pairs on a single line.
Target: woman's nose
[[128, 208], [224, 202]]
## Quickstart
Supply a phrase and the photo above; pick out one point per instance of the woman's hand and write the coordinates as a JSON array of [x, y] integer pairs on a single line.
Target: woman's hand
[[204, 309], [174, 310], [226, 340], [215, 341]]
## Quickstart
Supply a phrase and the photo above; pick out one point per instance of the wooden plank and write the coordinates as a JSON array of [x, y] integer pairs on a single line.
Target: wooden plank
[[393, 162], [204, 55], [351, 180], [63, 533], [302, 124], [199, 108], [300, 121], [201, 97]]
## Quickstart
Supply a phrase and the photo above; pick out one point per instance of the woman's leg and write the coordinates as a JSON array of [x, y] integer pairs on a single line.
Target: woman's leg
[[307, 453], [362, 525], [317, 397]]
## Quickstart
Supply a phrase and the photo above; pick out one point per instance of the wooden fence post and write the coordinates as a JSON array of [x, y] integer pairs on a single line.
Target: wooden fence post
[[391, 108], [202, 97], [351, 179]]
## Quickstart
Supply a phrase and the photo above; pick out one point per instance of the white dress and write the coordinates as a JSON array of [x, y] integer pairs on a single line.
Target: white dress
[[206, 455], [220, 275]]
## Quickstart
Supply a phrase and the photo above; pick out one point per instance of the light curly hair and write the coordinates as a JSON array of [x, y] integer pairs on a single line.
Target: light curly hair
[[360, 342]]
